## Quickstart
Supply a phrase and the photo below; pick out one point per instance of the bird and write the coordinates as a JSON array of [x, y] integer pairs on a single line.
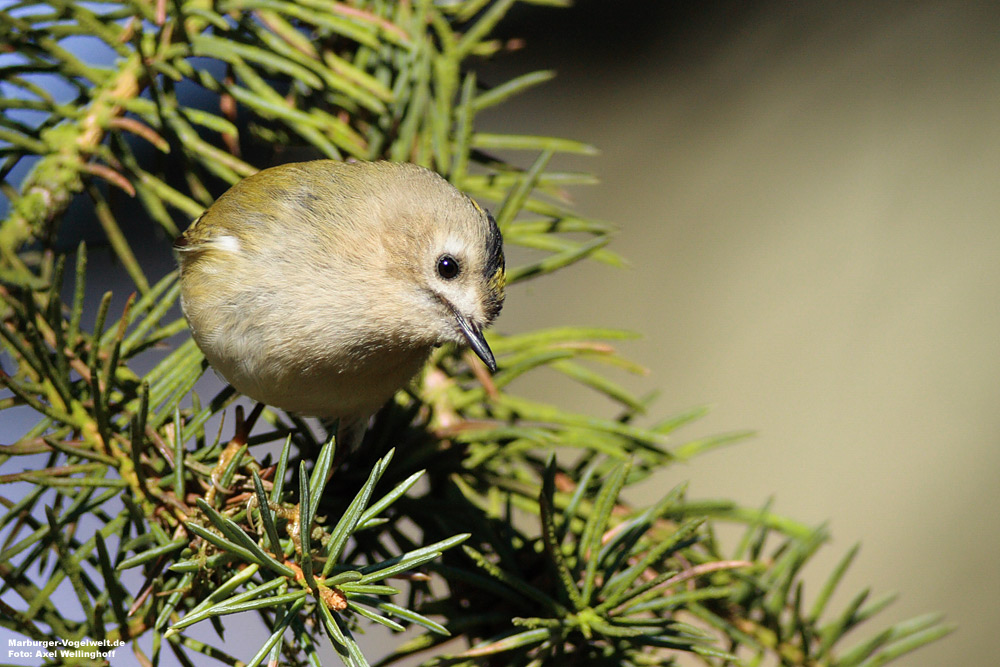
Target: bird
[[322, 287]]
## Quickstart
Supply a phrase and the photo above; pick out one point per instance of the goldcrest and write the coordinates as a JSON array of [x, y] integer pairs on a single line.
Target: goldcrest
[[321, 287]]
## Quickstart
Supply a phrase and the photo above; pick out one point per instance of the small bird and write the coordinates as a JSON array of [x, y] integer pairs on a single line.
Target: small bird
[[321, 287]]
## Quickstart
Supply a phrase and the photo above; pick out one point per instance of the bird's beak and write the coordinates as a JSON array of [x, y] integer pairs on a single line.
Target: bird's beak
[[477, 342]]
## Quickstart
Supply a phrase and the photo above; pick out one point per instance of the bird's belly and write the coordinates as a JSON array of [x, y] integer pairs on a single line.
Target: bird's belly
[[325, 389]]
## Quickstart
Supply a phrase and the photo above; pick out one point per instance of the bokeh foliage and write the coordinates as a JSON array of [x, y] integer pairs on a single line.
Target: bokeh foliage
[[515, 547]]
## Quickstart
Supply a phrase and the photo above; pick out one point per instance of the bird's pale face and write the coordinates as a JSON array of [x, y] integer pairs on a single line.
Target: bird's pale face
[[460, 279]]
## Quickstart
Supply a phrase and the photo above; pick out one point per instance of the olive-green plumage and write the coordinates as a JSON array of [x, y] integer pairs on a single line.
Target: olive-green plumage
[[321, 287]]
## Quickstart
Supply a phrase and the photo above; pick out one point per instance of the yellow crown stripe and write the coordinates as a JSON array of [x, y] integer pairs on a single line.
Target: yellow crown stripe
[[498, 281]]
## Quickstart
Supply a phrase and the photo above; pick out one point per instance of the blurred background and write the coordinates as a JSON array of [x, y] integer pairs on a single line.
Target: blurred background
[[809, 195]]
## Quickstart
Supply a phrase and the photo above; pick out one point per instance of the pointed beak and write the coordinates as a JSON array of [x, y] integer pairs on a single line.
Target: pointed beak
[[474, 335]]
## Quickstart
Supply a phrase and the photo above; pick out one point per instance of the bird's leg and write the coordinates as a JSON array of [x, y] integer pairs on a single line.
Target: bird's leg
[[350, 433], [240, 438], [244, 426]]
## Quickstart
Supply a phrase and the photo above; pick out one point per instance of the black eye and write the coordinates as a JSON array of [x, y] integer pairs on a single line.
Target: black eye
[[448, 267]]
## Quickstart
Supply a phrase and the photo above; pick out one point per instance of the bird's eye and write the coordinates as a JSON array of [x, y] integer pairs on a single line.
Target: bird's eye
[[448, 267]]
